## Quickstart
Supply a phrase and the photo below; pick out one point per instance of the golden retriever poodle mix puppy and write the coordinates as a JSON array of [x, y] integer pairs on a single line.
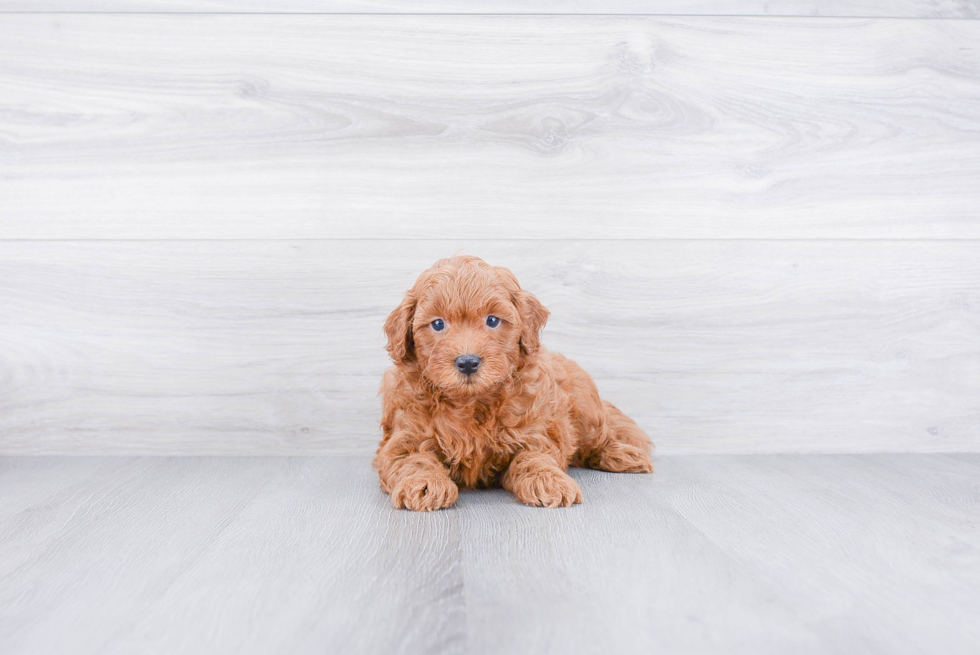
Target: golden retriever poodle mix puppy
[[473, 400]]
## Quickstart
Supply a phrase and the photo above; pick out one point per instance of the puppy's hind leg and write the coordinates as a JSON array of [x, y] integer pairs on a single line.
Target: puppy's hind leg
[[621, 446]]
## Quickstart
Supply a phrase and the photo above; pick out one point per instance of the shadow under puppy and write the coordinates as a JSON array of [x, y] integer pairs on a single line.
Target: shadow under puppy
[[473, 400]]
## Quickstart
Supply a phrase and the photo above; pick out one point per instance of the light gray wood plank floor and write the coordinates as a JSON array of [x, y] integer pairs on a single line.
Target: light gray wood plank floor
[[711, 554]]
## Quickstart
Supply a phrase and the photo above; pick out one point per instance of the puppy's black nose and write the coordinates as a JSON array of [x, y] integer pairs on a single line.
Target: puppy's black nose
[[467, 364]]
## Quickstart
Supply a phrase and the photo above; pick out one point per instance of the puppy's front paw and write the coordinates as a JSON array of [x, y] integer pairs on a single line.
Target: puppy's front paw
[[424, 492], [549, 487]]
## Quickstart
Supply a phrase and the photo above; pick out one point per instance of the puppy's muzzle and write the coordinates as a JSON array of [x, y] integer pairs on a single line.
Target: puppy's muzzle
[[467, 364]]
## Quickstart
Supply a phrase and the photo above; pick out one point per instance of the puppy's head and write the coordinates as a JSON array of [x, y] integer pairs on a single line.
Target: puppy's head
[[466, 324]]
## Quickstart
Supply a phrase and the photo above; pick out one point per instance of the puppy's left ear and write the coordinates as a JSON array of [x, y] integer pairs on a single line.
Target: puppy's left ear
[[533, 318], [533, 314]]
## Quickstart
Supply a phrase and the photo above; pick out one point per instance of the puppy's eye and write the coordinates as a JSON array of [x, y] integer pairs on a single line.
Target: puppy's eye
[[438, 325], [492, 321]]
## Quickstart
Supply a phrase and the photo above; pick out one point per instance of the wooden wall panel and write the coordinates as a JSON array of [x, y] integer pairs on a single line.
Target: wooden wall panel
[[276, 347], [815, 8], [478, 127]]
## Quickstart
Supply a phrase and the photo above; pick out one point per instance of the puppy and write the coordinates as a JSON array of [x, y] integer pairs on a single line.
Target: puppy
[[473, 400]]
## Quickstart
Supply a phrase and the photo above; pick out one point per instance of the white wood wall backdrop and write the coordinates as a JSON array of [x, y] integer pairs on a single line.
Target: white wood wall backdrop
[[788, 206], [274, 347], [903, 8], [273, 126]]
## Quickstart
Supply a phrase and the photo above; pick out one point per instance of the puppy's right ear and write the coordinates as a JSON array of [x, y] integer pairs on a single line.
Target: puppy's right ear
[[398, 328]]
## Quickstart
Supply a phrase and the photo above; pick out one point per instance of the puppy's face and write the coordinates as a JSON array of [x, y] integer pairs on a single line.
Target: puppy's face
[[466, 324]]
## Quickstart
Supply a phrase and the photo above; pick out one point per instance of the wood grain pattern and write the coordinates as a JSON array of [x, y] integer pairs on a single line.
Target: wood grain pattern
[[824, 8], [276, 347], [277, 126], [748, 554], [754, 554], [224, 556]]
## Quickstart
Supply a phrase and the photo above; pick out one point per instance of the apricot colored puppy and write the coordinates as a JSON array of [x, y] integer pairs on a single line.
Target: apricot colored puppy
[[473, 400]]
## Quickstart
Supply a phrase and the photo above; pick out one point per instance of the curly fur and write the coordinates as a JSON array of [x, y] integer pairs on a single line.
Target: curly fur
[[519, 422]]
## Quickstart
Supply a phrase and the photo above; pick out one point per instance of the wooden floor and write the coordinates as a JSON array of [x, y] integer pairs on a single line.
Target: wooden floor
[[711, 554]]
